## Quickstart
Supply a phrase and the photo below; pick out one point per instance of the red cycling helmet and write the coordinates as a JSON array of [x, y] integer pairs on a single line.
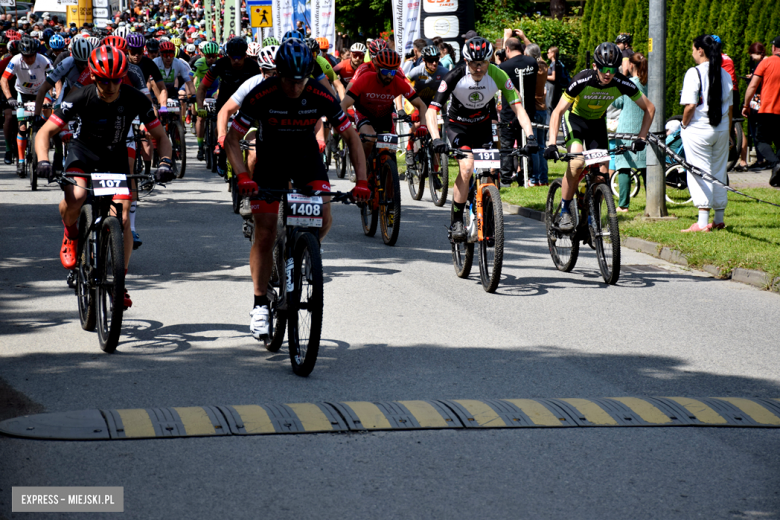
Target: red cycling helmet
[[167, 47], [375, 46], [388, 59], [116, 41], [108, 63]]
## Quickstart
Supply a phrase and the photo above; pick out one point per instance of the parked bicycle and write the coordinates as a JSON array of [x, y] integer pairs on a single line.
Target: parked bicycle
[[595, 218], [99, 275], [295, 290]]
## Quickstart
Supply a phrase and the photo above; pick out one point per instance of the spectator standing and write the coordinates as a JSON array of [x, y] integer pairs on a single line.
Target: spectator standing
[[757, 53], [516, 66], [542, 117], [767, 76], [707, 96], [630, 123], [555, 79], [447, 55]]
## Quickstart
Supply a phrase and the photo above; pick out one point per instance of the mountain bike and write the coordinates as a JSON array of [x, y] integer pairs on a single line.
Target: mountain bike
[[175, 130], [295, 290], [594, 215], [483, 219], [99, 276], [210, 133], [385, 202]]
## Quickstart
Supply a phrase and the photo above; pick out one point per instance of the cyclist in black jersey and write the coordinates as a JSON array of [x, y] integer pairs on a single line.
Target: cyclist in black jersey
[[106, 110], [288, 107], [588, 96]]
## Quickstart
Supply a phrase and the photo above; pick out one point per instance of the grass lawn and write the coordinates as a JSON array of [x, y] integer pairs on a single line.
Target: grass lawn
[[751, 239]]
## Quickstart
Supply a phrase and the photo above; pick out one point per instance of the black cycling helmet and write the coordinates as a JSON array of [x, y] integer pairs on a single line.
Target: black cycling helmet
[[624, 38], [431, 51], [477, 49], [236, 47], [152, 45], [28, 46], [294, 59], [313, 45], [607, 55]]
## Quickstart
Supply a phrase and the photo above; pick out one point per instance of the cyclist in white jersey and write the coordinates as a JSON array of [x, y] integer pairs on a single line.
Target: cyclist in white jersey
[[30, 69]]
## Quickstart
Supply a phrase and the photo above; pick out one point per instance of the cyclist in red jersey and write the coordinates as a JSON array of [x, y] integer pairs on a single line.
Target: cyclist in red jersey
[[347, 68], [373, 96]]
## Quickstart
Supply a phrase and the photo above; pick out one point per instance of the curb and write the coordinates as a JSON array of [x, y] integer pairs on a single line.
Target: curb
[[752, 277]]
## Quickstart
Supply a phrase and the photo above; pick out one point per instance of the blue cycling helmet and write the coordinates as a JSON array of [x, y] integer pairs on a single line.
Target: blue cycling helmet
[[47, 34], [293, 34], [294, 59], [57, 42]]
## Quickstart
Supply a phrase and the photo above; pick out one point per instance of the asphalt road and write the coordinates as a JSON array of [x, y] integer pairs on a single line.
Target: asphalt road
[[398, 325]]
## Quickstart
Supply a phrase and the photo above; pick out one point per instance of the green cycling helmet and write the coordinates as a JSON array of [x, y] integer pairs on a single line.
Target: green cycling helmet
[[210, 48], [270, 41]]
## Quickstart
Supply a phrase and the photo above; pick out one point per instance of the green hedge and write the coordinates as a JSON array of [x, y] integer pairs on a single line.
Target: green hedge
[[738, 23]]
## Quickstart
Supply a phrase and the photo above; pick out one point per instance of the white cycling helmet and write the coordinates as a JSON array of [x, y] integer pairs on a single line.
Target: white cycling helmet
[[253, 49], [94, 41], [358, 47], [122, 31], [202, 44], [191, 49], [267, 57], [81, 48], [164, 39]]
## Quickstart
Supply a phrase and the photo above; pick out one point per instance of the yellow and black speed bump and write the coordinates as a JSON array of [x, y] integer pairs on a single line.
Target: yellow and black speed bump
[[396, 415]]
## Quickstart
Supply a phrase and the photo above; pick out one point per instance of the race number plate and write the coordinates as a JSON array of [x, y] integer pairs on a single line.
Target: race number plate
[[137, 121], [173, 107], [29, 109], [304, 211], [388, 141], [486, 159], [595, 156], [109, 184]]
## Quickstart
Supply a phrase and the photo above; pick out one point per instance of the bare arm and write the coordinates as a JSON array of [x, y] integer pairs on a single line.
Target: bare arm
[[163, 143], [649, 109], [325, 83], [432, 123], [356, 154], [6, 88], [688, 114], [227, 110], [346, 102], [523, 119], [555, 121], [47, 131], [340, 88], [420, 106], [41, 96], [233, 149], [200, 97]]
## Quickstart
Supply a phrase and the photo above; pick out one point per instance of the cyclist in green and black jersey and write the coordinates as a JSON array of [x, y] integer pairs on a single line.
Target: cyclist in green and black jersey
[[582, 108]]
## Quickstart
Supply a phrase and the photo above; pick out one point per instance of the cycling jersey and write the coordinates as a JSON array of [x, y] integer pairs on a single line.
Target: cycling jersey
[[369, 67], [345, 70], [11, 81], [373, 98], [68, 73], [135, 78], [149, 69], [230, 78], [104, 126], [245, 88], [326, 68], [179, 69], [425, 82], [29, 77], [473, 101], [590, 99], [62, 56]]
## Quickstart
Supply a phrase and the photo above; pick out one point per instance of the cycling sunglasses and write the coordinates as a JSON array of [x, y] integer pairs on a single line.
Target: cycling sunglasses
[[114, 81], [431, 60], [388, 72], [608, 70], [237, 57], [358, 55], [167, 54], [134, 51], [211, 56]]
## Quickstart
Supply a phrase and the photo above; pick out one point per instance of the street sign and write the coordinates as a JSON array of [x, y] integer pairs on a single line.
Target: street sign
[[99, 12], [7, 3], [261, 14]]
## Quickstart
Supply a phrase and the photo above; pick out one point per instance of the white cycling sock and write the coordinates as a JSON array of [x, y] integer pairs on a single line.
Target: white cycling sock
[[704, 218], [132, 215], [718, 219]]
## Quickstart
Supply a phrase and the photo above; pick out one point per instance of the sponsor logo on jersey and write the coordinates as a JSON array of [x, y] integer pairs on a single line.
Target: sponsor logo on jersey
[[272, 111], [508, 85], [311, 111], [374, 95], [303, 101], [477, 87], [476, 97], [443, 86]]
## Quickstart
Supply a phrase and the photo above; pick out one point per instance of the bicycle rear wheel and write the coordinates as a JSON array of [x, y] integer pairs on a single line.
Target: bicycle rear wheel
[[338, 160], [416, 175], [606, 234], [564, 249], [33, 160], [368, 214], [305, 305], [111, 287], [462, 252], [179, 148], [84, 293], [439, 181], [390, 203], [208, 146], [633, 178], [491, 247], [677, 191]]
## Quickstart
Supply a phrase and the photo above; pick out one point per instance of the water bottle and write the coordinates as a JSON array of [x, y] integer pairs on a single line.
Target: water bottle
[[289, 275], [20, 111]]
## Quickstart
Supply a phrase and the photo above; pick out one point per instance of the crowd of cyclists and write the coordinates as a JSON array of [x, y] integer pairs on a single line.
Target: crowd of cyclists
[[87, 91]]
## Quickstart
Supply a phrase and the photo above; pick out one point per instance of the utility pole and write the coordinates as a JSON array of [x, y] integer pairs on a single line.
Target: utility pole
[[656, 89]]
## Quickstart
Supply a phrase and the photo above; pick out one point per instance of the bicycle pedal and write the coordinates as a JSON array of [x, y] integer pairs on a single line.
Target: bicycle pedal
[[72, 279]]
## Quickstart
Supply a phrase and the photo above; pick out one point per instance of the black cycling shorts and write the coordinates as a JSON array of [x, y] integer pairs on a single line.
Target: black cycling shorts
[[381, 124], [591, 133], [478, 135], [82, 159]]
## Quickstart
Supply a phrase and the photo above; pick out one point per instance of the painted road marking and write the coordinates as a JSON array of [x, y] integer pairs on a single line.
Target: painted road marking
[[395, 415]]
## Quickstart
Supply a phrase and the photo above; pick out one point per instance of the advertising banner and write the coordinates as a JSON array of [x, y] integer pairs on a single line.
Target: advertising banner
[[323, 14], [448, 19], [208, 10], [232, 20], [406, 24]]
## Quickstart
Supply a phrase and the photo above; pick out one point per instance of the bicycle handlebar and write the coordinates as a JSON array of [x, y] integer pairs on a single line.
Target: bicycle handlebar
[[270, 195]]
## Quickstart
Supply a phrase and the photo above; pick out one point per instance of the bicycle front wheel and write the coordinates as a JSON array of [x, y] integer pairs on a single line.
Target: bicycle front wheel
[[305, 305], [390, 203], [677, 191], [606, 234], [415, 176], [462, 252], [635, 180], [491, 247], [439, 181], [208, 145], [84, 293], [179, 148], [111, 285], [564, 249], [33, 160]]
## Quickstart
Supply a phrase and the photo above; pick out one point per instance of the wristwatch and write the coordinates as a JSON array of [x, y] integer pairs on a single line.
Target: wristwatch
[[683, 126]]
